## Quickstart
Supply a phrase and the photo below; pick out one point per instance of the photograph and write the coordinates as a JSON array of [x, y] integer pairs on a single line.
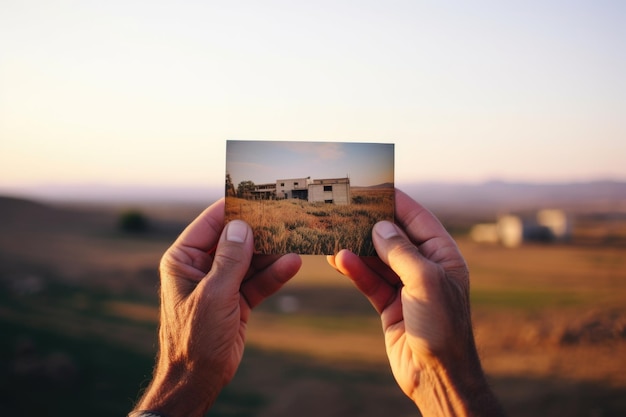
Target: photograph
[[311, 198]]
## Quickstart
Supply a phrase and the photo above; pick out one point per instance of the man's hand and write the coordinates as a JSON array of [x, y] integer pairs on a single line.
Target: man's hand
[[420, 287], [210, 281]]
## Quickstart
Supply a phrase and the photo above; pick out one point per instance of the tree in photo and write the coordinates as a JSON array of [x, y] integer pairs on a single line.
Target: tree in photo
[[245, 188]]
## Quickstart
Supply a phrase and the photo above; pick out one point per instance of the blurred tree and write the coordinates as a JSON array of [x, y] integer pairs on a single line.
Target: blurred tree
[[133, 221]]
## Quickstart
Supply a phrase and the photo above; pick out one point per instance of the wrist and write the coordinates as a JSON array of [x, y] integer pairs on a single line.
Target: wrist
[[460, 390], [144, 413], [174, 391]]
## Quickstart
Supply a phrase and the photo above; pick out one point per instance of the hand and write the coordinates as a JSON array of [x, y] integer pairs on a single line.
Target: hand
[[419, 285], [210, 281]]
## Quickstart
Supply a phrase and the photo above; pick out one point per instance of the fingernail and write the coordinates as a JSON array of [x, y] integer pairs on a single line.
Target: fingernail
[[236, 231], [386, 230]]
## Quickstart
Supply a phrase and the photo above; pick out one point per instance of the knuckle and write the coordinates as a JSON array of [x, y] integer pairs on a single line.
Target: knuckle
[[228, 257], [401, 248]]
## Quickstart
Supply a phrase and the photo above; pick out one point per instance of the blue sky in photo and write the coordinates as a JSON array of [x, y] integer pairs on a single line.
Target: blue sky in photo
[[267, 161]]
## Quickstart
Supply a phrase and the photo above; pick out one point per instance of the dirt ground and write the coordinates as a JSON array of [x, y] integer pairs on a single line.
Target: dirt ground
[[550, 321]]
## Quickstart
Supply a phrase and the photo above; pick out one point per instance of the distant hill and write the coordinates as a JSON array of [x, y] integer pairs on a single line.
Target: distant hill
[[506, 196], [375, 187], [75, 240], [23, 216], [111, 194], [11, 205], [26, 216]]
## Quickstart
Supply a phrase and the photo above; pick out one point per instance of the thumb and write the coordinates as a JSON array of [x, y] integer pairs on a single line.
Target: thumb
[[396, 250], [232, 257]]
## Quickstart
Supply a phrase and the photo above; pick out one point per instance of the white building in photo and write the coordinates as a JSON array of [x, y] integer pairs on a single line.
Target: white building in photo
[[264, 191], [332, 190], [327, 190], [293, 188]]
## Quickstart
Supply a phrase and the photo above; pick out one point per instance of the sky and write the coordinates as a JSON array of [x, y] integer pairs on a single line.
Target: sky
[[366, 164], [147, 93]]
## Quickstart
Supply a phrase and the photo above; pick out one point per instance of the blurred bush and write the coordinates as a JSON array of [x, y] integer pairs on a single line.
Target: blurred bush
[[134, 221]]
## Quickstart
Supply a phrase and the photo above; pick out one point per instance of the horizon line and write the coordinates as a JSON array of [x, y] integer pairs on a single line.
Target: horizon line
[[198, 193]]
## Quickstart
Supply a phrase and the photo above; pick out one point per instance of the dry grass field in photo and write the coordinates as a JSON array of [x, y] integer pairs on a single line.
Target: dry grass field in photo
[[283, 226], [79, 311]]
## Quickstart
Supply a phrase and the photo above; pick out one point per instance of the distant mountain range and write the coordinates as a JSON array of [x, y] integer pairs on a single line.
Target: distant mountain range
[[506, 196], [100, 193], [495, 195], [377, 186]]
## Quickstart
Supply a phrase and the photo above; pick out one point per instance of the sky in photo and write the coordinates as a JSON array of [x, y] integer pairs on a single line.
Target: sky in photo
[[140, 92], [261, 162]]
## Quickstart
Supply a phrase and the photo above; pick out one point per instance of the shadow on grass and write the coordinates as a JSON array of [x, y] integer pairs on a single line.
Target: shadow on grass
[[44, 373], [62, 352]]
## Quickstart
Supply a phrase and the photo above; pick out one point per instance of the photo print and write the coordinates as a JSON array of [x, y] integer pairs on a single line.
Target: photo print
[[311, 198]]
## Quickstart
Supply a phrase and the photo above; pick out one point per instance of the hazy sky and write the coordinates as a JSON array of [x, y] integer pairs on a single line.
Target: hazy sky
[[148, 92], [267, 161]]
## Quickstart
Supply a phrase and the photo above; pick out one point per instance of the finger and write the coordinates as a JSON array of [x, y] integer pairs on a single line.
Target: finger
[[187, 261], [231, 260], [259, 263], [380, 268], [270, 279], [420, 224], [379, 289], [403, 257], [331, 261], [204, 232], [427, 232], [374, 264]]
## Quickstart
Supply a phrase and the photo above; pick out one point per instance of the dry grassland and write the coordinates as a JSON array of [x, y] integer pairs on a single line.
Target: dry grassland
[[550, 323], [283, 226]]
